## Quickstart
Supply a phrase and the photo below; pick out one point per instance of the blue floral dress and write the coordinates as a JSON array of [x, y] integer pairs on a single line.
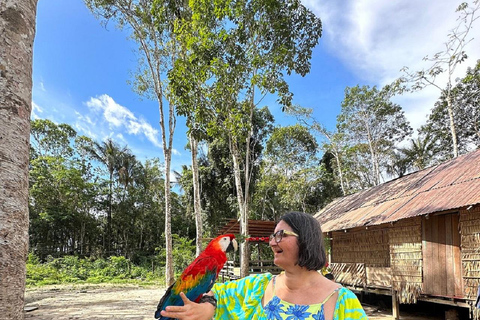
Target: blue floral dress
[[242, 300], [277, 309]]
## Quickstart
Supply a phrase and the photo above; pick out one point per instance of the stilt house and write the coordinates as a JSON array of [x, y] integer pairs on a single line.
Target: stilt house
[[416, 237]]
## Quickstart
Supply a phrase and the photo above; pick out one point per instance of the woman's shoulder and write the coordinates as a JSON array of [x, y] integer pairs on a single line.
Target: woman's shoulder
[[259, 277], [251, 281], [347, 296], [346, 293], [348, 306]]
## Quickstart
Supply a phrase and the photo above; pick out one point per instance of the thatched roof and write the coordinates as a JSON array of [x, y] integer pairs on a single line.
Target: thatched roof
[[448, 186]]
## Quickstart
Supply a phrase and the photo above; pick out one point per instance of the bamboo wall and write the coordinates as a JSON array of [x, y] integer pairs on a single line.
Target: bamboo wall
[[352, 274], [361, 257], [406, 258], [470, 247], [368, 246]]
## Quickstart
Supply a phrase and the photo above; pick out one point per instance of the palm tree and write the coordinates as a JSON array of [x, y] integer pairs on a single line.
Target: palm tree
[[420, 154], [108, 153], [17, 31], [417, 156], [127, 166]]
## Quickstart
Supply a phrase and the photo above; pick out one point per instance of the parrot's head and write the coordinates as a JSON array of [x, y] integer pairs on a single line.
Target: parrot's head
[[226, 242]]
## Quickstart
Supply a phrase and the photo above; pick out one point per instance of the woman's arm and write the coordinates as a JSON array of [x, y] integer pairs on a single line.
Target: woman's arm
[[190, 310]]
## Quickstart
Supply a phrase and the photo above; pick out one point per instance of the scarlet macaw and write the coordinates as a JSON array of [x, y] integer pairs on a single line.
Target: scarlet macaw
[[199, 277]]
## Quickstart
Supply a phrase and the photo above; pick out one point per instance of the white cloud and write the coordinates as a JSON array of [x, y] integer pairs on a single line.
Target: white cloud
[[85, 129], [376, 38], [120, 137], [36, 109], [119, 117]]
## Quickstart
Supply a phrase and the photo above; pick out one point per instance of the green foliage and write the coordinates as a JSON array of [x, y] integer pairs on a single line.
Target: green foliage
[[466, 117], [51, 139], [373, 125], [291, 147], [80, 208], [183, 253], [72, 269]]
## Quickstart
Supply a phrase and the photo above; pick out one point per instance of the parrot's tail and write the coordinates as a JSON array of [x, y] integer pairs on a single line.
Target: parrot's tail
[[161, 305]]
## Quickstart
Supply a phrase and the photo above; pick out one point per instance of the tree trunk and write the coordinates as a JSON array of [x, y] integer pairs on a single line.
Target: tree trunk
[[244, 257], [169, 276], [453, 132], [109, 215], [376, 169], [17, 32], [197, 207], [339, 169], [169, 273]]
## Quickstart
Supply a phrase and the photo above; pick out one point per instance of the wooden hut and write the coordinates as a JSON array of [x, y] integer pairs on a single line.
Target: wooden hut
[[415, 237]]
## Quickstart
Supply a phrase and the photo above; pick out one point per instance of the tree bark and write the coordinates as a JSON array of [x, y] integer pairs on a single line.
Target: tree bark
[[453, 132], [169, 274], [197, 206], [17, 32], [242, 207], [373, 155]]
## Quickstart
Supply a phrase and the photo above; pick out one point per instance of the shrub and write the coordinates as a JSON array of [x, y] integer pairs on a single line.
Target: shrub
[[183, 253], [72, 269]]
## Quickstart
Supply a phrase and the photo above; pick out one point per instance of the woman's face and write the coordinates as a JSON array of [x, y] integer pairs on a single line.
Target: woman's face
[[286, 251]]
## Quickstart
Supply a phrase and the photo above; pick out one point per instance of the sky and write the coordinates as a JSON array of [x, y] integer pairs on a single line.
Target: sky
[[81, 69]]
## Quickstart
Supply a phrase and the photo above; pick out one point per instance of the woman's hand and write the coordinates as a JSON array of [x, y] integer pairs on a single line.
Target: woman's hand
[[190, 310]]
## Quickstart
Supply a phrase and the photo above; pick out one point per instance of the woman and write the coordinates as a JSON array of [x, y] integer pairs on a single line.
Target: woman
[[299, 292]]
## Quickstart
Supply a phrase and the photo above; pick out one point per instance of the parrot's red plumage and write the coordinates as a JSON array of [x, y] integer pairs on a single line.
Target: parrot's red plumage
[[199, 277]]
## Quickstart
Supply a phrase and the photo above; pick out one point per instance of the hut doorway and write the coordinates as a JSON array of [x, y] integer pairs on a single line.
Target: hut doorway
[[441, 256]]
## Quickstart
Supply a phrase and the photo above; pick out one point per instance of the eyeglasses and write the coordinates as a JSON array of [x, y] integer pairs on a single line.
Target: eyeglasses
[[278, 236]]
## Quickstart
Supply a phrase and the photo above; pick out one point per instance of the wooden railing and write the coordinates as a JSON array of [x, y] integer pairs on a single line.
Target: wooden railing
[[230, 272], [262, 266]]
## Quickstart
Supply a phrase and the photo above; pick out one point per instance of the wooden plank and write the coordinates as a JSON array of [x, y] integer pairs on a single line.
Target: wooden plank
[[427, 256], [442, 275], [457, 261], [449, 261], [395, 306], [436, 268]]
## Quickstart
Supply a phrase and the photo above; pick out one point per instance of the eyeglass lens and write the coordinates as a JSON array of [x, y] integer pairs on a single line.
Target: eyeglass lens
[[277, 236]]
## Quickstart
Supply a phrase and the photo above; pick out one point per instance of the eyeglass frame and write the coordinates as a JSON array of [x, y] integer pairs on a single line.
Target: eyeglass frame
[[281, 233]]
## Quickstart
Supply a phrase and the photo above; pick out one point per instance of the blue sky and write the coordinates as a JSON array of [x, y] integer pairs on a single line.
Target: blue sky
[[81, 68]]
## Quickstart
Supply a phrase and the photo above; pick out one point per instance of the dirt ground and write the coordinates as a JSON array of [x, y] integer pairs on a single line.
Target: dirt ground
[[127, 302]]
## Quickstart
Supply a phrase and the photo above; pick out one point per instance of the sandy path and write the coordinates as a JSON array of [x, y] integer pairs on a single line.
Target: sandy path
[[117, 302]]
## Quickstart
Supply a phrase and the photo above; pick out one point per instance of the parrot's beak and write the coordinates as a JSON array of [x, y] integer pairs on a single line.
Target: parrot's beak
[[233, 246]]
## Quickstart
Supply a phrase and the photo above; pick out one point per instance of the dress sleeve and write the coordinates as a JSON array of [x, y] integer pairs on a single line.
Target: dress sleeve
[[242, 298], [348, 307]]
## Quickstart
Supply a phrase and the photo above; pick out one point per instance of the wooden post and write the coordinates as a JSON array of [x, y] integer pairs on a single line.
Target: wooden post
[[395, 305]]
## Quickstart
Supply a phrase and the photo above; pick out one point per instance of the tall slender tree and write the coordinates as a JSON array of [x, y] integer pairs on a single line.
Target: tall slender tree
[[108, 153], [190, 91], [466, 110], [248, 46], [446, 62], [373, 124], [158, 49], [335, 143], [17, 32]]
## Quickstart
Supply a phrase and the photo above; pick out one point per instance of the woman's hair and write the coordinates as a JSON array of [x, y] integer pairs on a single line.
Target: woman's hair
[[311, 253]]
